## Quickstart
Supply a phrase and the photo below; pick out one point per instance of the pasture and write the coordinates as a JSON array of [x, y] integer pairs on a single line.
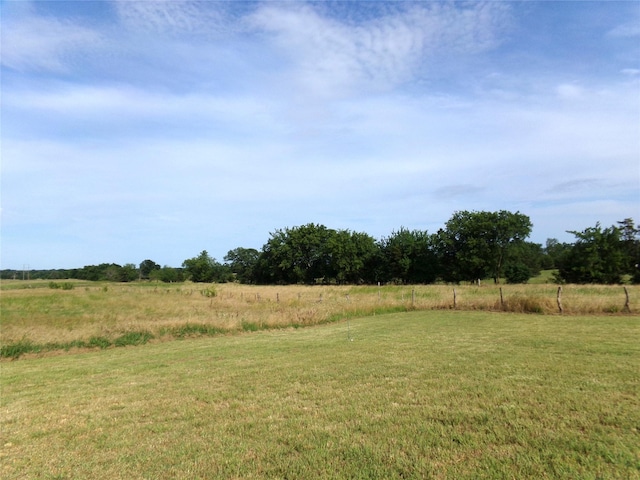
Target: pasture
[[421, 394], [86, 315]]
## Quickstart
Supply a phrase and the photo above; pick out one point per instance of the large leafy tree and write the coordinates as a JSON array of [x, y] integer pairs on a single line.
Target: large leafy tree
[[314, 253], [630, 237], [597, 256], [296, 255], [350, 254], [476, 245], [146, 267], [205, 268], [242, 262], [408, 256]]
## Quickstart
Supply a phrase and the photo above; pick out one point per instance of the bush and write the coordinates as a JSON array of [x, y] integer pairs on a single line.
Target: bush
[[99, 342], [517, 273], [209, 292], [133, 338]]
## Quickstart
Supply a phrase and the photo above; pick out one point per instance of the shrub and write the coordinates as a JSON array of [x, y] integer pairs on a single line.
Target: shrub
[[517, 273], [99, 342], [15, 350], [133, 338], [209, 292]]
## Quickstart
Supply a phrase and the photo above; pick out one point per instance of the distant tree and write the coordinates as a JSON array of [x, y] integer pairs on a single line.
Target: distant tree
[[349, 255], [167, 275], [476, 245], [553, 251], [297, 255], [409, 257], [204, 268], [129, 272], [630, 238], [523, 261], [112, 273], [242, 263], [597, 256], [146, 267]]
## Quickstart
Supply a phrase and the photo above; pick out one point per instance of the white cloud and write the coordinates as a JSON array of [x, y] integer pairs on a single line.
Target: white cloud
[[172, 16], [569, 91], [38, 43], [333, 57], [629, 29]]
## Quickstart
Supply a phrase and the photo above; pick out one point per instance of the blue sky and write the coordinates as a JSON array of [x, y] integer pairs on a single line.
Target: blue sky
[[136, 130]]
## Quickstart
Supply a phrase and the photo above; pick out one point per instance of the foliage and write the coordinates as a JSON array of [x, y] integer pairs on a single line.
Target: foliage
[[475, 245], [242, 263], [312, 254], [472, 246], [205, 268], [147, 267], [597, 256], [409, 257], [517, 273]]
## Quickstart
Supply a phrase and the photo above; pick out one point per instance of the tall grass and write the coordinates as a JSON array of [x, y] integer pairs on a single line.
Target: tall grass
[[41, 319]]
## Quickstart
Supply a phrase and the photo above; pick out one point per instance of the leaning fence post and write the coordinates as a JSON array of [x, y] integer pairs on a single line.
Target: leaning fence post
[[626, 303], [455, 302], [559, 299], [501, 299]]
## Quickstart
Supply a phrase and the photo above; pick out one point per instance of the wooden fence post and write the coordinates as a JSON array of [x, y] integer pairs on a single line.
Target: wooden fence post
[[501, 299], [626, 303], [559, 299], [455, 300]]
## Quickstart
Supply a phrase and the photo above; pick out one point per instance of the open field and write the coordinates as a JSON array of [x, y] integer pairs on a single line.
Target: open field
[[425, 394], [100, 315]]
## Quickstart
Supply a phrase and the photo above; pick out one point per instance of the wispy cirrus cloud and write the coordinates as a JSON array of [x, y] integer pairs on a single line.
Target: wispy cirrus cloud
[[37, 43], [177, 17], [334, 57]]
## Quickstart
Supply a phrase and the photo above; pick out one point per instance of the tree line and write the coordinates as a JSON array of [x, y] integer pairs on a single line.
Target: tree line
[[472, 246]]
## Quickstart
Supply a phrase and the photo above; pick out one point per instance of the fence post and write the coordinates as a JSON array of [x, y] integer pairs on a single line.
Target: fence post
[[501, 299], [413, 297], [455, 300], [626, 303], [559, 299]]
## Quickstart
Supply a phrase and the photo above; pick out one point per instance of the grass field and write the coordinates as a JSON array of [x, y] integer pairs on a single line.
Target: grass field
[[42, 319], [423, 394]]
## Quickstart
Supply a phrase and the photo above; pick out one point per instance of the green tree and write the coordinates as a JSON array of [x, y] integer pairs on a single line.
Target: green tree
[[553, 251], [168, 274], [524, 260], [242, 263], [597, 256], [205, 268], [349, 253], [476, 245], [128, 273], [408, 256], [146, 267], [297, 255], [630, 237]]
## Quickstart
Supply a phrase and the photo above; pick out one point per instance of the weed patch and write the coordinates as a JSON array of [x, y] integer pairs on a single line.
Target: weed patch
[[133, 338]]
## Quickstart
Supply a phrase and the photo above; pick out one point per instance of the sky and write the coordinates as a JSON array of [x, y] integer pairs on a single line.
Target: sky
[[135, 130]]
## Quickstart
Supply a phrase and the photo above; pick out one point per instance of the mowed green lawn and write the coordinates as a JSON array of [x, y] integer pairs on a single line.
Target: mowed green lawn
[[437, 394]]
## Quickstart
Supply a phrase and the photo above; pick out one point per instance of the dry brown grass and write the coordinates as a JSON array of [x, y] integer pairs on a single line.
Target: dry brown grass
[[43, 315]]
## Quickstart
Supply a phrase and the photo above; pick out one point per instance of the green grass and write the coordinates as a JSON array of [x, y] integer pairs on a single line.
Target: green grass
[[439, 394]]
